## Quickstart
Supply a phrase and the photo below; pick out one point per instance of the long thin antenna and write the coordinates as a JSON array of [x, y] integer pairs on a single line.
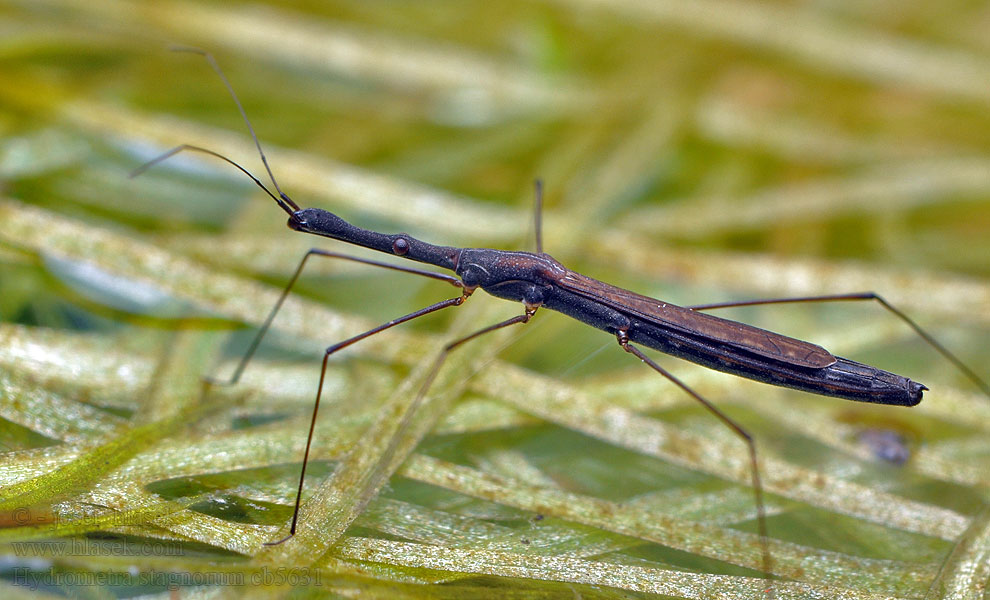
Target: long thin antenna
[[264, 159], [178, 149]]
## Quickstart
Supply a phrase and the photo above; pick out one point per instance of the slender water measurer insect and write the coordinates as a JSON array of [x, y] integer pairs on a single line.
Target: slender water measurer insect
[[537, 280]]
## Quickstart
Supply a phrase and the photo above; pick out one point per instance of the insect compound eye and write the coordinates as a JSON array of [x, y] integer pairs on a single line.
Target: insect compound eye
[[400, 246]]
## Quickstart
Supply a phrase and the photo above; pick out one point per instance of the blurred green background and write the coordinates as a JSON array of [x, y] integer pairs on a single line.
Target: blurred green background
[[692, 151]]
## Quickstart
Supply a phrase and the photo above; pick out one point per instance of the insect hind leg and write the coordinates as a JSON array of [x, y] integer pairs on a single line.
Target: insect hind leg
[[761, 518], [867, 296]]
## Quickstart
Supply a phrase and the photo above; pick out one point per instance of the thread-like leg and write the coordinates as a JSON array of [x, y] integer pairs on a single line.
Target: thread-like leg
[[319, 390], [931, 341], [295, 277], [761, 517], [530, 311], [441, 358]]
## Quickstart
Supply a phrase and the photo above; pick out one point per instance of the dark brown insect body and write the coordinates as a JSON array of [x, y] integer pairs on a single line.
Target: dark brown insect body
[[538, 280]]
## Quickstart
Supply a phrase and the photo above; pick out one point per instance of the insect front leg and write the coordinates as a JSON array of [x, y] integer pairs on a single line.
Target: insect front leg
[[239, 370]]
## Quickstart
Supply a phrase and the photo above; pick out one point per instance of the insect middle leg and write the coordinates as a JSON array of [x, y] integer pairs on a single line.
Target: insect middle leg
[[239, 370], [448, 348], [319, 389], [867, 296], [438, 362]]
